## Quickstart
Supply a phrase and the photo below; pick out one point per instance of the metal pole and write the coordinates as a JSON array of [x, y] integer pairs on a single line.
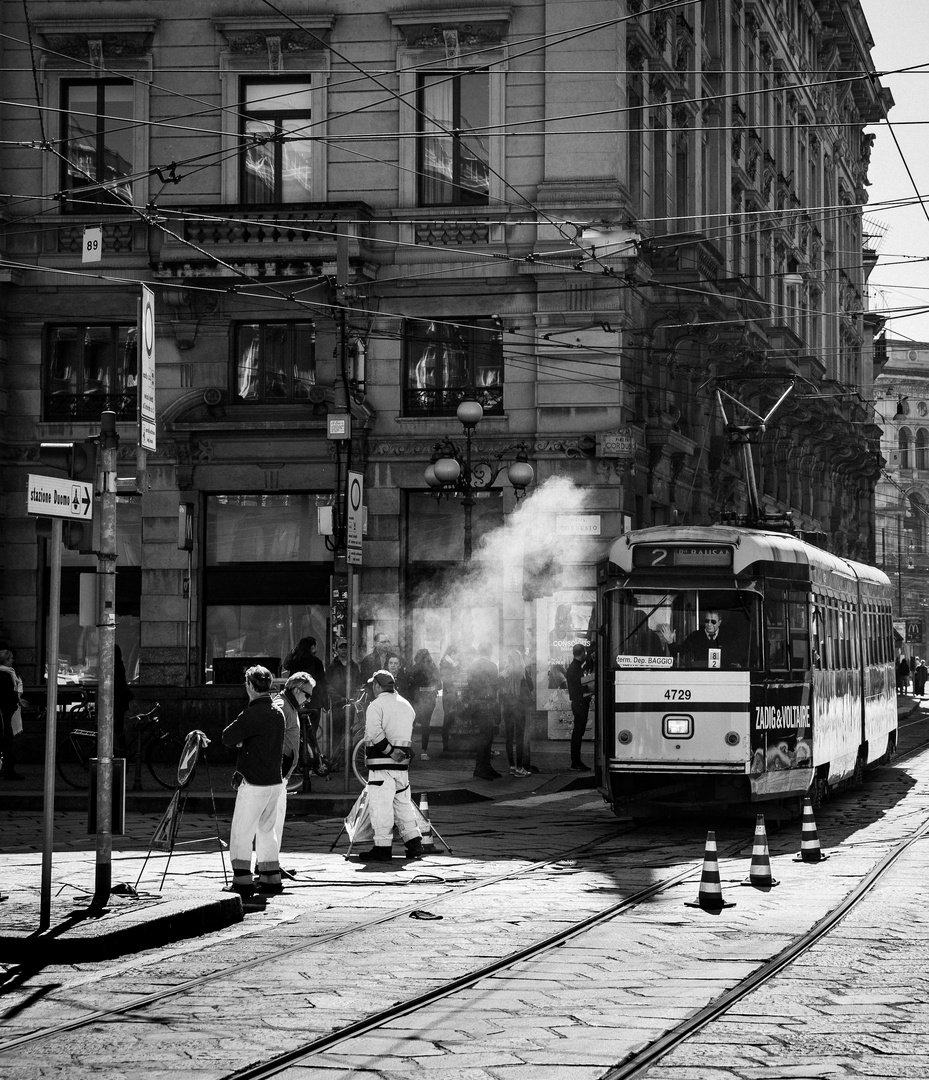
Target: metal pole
[[51, 715], [189, 593], [106, 631], [349, 707], [468, 501]]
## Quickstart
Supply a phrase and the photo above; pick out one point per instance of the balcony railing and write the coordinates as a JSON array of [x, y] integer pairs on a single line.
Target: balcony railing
[[62, 406], [444, 402]]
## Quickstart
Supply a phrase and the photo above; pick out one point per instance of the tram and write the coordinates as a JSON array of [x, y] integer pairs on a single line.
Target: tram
[[737, 666]]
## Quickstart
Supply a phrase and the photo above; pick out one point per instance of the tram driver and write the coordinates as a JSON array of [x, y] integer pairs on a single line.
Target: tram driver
[[712, 646]]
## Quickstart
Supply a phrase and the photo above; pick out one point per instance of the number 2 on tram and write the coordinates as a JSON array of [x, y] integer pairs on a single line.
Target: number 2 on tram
[[736, 666]]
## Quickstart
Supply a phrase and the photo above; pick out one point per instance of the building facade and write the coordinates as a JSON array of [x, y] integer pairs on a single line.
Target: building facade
[[619, 228]]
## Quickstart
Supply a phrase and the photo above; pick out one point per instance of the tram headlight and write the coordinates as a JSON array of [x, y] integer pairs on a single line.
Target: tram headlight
[[625, 737], [733, 738], [678, 726]]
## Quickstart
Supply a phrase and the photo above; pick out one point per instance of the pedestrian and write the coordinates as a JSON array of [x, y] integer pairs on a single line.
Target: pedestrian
[[919, 678], [401, 678], [388, 738], [339, 673], [580, 695], [297, 691], [515, 697], [452, 674], [484, 706], [258, 732], [122, 699], [302, 657], [376, 660], [903, 674], [11, 717], [425, 683]]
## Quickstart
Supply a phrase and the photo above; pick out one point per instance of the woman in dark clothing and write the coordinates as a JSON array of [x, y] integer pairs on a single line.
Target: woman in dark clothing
[[11, 722], [515, 699], [425, 685], [122, 698]]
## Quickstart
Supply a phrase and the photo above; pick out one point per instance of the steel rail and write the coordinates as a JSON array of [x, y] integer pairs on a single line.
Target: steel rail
[[139, 1003]]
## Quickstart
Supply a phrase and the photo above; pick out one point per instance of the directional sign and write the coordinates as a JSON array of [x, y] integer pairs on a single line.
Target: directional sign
[[354, 518], [147, 370], [53, 497]]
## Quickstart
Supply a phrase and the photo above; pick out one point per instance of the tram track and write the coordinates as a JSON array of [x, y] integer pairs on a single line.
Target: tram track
[[134, 1008]]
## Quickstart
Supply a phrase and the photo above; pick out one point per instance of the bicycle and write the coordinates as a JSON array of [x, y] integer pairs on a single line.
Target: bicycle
[[159, 740], [329, 765]]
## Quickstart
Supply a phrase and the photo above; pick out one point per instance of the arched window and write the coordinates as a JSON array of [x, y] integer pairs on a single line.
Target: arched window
[[922, 446], [904, 448], [916, 523]]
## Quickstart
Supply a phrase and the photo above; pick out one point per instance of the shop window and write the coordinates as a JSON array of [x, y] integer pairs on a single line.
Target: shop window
[[97, 138], [274, 362], [453, 156], [266, 579], [277, 126], [89, 369], [445, 361]]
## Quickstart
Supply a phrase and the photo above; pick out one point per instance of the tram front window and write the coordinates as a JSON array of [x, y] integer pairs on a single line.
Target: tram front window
[[685, 628]]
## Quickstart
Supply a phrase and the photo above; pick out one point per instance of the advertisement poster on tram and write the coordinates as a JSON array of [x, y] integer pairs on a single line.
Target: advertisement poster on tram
[[782, 740], [563, 621]]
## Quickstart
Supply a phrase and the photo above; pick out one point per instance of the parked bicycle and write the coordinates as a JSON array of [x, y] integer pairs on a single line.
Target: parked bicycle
[[160, 744]]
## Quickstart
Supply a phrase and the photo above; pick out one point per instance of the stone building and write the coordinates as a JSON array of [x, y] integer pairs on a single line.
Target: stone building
[[618, 226]]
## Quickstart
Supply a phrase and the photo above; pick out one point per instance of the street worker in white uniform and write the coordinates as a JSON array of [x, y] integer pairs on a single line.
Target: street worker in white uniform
[[388, 737], [258, 732]]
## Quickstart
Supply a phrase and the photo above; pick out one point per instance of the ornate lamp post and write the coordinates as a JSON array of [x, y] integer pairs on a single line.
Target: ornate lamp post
[[453, 473]]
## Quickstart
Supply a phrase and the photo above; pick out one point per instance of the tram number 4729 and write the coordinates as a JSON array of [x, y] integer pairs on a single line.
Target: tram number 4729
[[677, 695]]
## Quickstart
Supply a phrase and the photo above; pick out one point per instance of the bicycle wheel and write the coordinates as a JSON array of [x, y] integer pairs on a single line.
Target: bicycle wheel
[[359, 762], [72, 757], [162, 756]]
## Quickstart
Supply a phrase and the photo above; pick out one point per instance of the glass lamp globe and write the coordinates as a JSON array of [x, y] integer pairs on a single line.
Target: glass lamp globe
[[447, 470], [431, 479], [520, 474], [469, 413]]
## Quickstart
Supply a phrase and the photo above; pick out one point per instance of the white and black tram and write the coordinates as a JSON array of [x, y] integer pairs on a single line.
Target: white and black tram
[[738, 665]]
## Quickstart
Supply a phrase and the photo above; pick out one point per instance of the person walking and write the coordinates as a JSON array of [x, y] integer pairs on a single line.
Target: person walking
[[515, 696], [11, 717], [920, 675], [580, 696], [122, 699], [388, 738], [258, 732], [426, 683], [903, 673], [484, 704], [452, 675], [376, 660]]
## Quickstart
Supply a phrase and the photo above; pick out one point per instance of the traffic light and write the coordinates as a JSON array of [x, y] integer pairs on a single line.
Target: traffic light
[[78, 536], [77, 459]]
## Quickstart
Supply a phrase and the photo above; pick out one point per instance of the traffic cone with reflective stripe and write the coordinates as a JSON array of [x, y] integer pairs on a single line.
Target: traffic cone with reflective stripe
[[810, 851], [710, 894], [428, 841], [759, 875]]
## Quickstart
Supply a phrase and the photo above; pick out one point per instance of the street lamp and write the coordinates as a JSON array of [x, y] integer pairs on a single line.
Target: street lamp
[[453, 473]]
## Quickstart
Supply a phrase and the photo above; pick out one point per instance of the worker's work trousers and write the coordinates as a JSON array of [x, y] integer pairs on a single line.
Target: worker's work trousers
[[258, 819], [389, 803]]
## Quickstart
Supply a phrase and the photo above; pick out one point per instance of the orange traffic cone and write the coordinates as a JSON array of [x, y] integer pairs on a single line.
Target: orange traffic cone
[[428, 841], [710, 895], [810, 851], [760, 873]]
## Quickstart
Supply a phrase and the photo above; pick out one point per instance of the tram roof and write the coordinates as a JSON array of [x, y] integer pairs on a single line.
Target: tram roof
[[749, 546]]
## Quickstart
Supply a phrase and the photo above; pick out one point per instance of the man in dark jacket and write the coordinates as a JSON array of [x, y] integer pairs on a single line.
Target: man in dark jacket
[[580, 696], [258, 732]]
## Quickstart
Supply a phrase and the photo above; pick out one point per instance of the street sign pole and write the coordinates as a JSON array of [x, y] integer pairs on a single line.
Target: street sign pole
[[51, 714], [106, 627]]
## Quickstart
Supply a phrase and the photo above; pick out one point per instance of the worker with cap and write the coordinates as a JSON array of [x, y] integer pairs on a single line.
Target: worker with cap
[[388, 738]]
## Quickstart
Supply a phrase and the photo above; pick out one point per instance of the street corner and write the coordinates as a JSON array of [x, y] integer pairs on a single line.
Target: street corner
[[128, 922]]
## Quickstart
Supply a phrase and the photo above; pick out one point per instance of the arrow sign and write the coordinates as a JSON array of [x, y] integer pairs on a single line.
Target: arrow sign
[[54, 497]]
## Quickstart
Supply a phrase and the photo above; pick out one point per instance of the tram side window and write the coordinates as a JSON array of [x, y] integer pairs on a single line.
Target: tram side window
[[798, 621], [776, 631], [787, 632]]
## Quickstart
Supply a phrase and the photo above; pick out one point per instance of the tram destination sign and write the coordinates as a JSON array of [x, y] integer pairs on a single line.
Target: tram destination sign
[[52, 497], [662, 556]]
